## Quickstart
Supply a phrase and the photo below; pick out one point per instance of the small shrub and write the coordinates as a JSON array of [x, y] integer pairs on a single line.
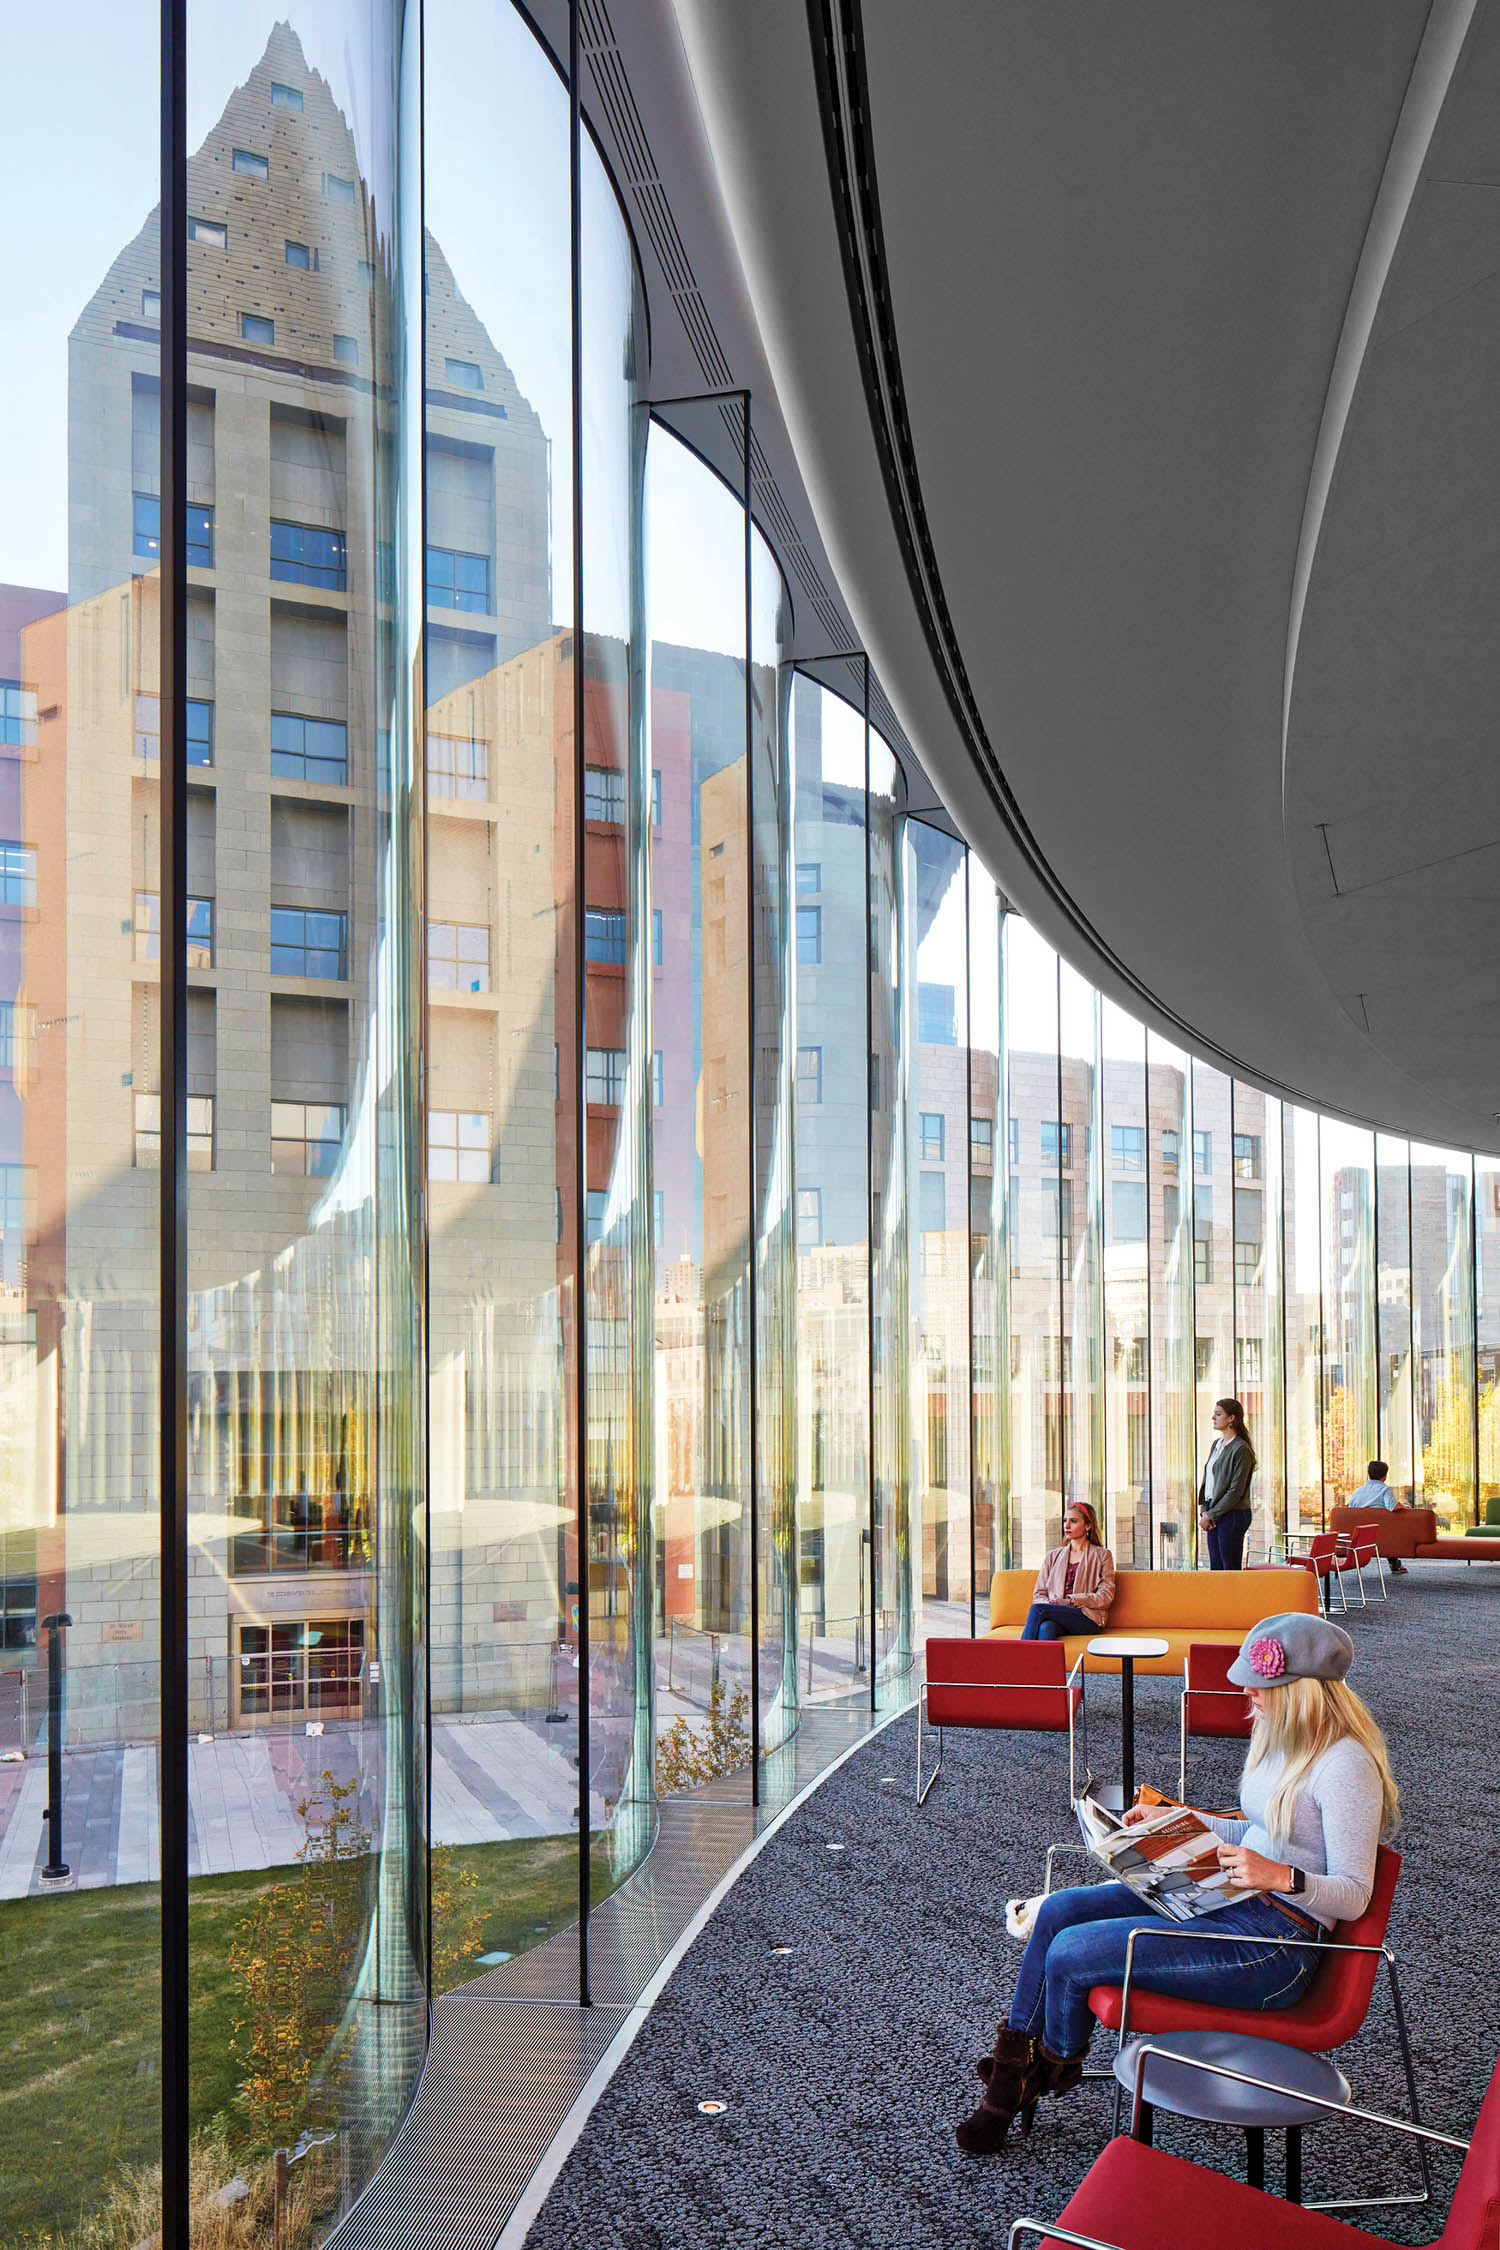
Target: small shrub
[[687, 1755]]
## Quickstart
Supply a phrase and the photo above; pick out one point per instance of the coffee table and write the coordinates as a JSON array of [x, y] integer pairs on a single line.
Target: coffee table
[[1124, 1648], [1166, 2084]]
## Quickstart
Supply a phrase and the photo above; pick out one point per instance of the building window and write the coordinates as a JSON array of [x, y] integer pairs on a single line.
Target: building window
[[198, 529], [1203, 1152], [810, 934], [17, 1035], [1013, 1137], [1247, 1363], [309, 749], [458, 1145], [458, 957], [604, 936], [299, 255], [200, 1132], [656, 937], [933, 1135], [253, 167], [655, 798], [1168, 1214], [1203, 1260], [1127, 1147], [1246, 1264], [604, 1075], [366, 273], [1203, 1358], [457, 767], [603, 794], [458, 581], [151, 304], [1171, 1148], [1247, 1156], [658, 1081], [937, 1015], [809, 876], [1127, 1211], [288, 1669], [982, 1143], [17, 875], [809, 1218], [595, 1204], [338, 189], [256, 329], [307, 942], [15, 1210], [17, 715], [198, 930], [212, 233], [1057, 1216], [285, 97], [346, 351], [1057, 1145], [932, 1202], [302, 554], [809, 1075], [464, 374], [305, 1137]]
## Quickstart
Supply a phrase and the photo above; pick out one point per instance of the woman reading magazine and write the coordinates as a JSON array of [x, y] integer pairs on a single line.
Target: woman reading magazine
[[1320, 1796]]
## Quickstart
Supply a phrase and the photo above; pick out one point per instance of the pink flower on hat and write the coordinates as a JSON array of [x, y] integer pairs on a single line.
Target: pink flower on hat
[[1267, 1657]]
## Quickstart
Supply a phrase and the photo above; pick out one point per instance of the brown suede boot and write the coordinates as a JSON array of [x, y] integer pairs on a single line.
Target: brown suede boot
[[1009, 2087], [1055, 2077]]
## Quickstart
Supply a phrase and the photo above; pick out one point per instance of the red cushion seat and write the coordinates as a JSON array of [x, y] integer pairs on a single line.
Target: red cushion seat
[[1142, 2199]]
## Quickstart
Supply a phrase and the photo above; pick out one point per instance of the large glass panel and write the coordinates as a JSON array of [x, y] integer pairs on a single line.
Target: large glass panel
[[1213, 1234], [619, 1018], [1349, 1414], [1304, 1323], [1081, 1194], [504, 1050], [1255, 1166], [1487, 1331], [80, 369], [826, 940], [1175, 1464], [937, 1195], [305, 1389], [892, 971], [990, 1286], [1394, 1401], [1036, 1218], [1128, 1173], [1442, 1296], [700, 860]]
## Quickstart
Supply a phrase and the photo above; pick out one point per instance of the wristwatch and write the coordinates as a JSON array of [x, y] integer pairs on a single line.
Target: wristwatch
[[1298, 1883]]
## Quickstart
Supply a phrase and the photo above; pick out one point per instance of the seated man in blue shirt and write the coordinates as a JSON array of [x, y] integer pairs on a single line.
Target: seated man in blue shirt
[[1378, 1494]]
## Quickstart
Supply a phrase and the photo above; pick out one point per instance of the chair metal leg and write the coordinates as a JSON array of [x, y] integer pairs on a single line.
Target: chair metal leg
[[1182, 1751], [1390, 2202], [924, 1794]]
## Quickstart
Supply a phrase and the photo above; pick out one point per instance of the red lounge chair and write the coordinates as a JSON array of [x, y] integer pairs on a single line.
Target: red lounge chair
[[1211, 1705], [994, 1683], [1135, 2197], [1330, 2012]]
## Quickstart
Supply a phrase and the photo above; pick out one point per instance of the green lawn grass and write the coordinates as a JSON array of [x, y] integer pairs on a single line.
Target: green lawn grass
[[80, 2083]]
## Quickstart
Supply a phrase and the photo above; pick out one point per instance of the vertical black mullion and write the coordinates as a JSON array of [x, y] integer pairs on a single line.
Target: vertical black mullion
[[1150, 1327], [751, 1231], [1062, 1320], [1474, 1328], [1286, 1426], [416, 352], [172, 1205], [580, 987], [969, 1227], [1411, 1339], [874, 1248], [1322, 1341], [1375, 1288]]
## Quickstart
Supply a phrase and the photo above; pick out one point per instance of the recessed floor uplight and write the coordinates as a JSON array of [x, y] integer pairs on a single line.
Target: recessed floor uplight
[[712, 2109], [887, 1781], [838, 1847], [783, 1949]]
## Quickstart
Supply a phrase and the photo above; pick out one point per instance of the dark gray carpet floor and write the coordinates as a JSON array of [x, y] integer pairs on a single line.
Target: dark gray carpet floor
[[846, 2062]]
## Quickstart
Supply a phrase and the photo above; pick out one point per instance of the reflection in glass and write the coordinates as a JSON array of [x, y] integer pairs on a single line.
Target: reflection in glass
[[1258, 1339], [892, 963], [1395, 1401], [1349, 1414], [990, 1261], [1176, 1443], [1487, 1332], [1081, 1191], [1213, 1265], [1442, 1299], [1126, 1152], [1037, 1227], [1301, 1234]]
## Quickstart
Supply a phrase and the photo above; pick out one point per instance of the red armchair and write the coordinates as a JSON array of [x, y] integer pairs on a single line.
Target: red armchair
[[1022, 1685], [1211, 1705], [1330, 2012], [1135, 2197]]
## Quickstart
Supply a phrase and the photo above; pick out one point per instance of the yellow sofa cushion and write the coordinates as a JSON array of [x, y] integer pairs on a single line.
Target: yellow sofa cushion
[[1177, 1606]]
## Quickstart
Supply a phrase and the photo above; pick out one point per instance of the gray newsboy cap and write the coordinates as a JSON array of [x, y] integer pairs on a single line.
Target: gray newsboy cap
[[1292, 1646]]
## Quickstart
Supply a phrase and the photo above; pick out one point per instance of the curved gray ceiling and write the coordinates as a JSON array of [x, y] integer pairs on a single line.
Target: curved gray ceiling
[[1135, 410]]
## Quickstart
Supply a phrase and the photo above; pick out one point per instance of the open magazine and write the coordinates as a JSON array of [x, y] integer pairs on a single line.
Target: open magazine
[[1170, 1859]]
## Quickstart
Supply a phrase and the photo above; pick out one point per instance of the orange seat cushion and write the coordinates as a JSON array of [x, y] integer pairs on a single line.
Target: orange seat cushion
[[1177, 1606]]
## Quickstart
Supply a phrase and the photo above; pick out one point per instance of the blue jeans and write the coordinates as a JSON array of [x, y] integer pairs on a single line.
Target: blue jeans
[[1079, 1939], [1049, 1621], [1226, 1540]]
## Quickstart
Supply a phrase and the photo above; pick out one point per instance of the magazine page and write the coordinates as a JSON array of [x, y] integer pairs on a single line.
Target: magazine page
[[1171, 1859]]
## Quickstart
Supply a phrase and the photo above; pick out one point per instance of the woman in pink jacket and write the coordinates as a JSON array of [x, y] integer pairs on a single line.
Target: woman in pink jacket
[[1076, 1584]]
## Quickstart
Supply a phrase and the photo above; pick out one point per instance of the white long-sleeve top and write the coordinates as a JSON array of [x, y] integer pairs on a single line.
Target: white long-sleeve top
[[1335, 1829]]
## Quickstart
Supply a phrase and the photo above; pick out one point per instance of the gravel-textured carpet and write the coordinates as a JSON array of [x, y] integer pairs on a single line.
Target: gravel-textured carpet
[[846, 2061]]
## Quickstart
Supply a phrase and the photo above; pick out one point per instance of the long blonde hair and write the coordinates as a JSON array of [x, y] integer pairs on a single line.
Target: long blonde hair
[[1299, 1722]]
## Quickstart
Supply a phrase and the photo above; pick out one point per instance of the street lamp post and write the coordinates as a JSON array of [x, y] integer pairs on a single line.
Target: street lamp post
[[52, 1626]]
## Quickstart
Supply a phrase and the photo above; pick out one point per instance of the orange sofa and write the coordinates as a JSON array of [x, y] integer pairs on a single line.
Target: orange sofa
[[1412, 1534], [1178, 1606]]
